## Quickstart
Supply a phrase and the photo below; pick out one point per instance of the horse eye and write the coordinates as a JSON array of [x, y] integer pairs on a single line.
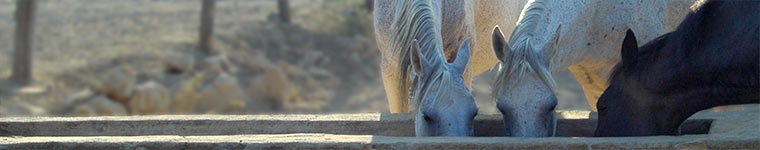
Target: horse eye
[[427, 118]]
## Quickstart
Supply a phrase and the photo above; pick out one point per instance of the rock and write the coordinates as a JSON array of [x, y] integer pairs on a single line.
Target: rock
[[70, 102], [259, 63], [118, 84], [21, 109], [218, 64], [314, 57], [268, 85], [292, 70], [83, 111], [150, 98], [179, 63], [99, 106], [318, 72], [273, 85], [106, 107], [186, 98], [152, 75], [223, 94]]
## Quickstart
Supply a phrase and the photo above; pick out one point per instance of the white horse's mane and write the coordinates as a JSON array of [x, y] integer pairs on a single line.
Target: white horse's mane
[[522, 55], [438, 79], [416, 20]]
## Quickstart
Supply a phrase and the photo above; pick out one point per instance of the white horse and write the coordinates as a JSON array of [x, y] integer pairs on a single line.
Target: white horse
[[413, 45], [583, 36], [459, 20]]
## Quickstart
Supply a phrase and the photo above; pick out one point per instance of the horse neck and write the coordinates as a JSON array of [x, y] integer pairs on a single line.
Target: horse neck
[[573, 15], [713, 29]]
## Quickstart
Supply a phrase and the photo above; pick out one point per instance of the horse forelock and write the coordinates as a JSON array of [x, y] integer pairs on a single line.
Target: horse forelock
[[441, 79], [522, 56], [416, 19]]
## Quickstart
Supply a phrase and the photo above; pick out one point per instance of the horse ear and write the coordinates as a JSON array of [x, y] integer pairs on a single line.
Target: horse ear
[[499, 44], [419, 64], [553, 44], [463, 57], [630, 49]]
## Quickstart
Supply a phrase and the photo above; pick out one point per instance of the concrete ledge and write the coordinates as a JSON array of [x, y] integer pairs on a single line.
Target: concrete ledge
[[330, 141], [569, 124], [727, 130]]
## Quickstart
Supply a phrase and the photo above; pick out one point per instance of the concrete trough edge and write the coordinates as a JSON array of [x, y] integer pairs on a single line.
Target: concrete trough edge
[[729, 130], [570, 124], [331, 141]]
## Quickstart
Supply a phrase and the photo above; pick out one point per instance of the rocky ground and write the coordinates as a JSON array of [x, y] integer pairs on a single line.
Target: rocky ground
[[104, 57]]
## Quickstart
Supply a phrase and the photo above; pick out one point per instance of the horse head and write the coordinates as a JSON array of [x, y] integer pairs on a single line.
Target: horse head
[[524, 88], [620, 97], [444, 104]]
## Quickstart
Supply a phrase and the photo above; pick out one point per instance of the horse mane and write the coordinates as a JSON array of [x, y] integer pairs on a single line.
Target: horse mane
[[416, 19], [523, 56], [439, 78]]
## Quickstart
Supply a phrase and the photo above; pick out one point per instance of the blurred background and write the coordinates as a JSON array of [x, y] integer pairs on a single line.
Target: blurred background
[[153, 57]]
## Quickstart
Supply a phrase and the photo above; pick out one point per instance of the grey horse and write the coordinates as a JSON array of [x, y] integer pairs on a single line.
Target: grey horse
[[436, 88]]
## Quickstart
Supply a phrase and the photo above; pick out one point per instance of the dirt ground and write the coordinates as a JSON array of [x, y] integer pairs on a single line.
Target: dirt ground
[[325, 61]]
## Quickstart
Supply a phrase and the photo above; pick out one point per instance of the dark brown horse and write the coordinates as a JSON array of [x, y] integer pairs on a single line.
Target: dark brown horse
[[711, 59]]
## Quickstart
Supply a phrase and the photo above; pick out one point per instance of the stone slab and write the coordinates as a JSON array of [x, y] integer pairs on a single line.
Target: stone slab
[[569, 124], [727, 130], [331, 141]]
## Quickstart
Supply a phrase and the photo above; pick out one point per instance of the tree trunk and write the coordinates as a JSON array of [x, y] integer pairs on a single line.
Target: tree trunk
[[22, 61], [207, 26], [282, 7], [369, 4]]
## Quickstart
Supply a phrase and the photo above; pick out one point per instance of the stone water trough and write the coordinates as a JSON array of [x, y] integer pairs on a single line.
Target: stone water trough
[[737, 129]]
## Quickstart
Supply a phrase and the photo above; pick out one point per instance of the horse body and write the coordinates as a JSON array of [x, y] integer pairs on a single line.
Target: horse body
[[710, 60], [574, 34]]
